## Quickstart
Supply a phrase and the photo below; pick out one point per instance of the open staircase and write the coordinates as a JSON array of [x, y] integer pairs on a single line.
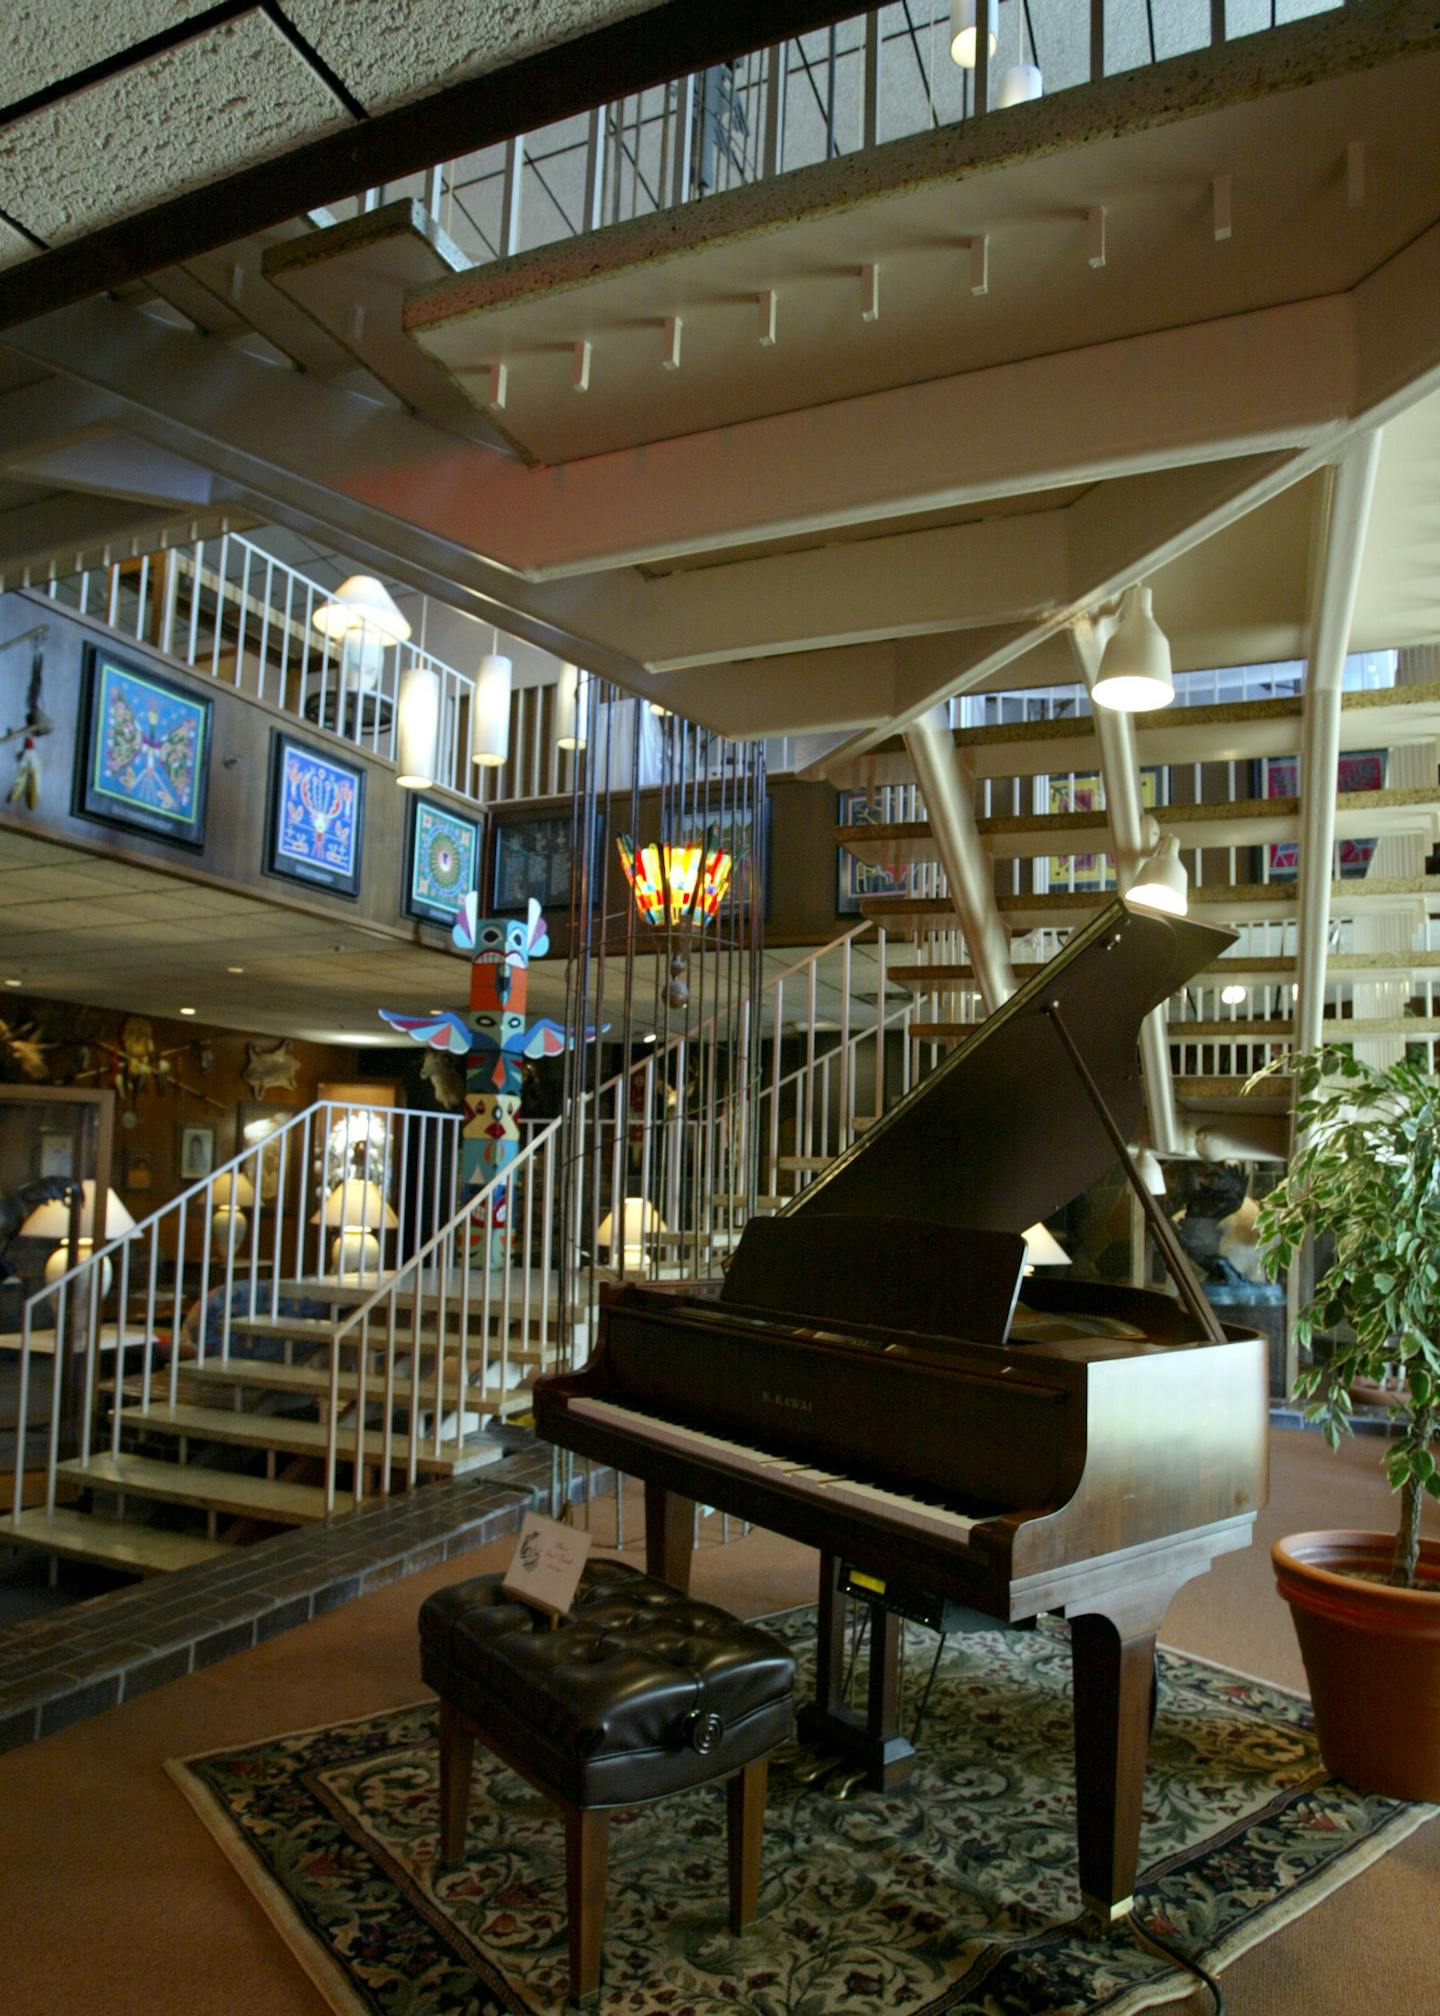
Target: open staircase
[[1231, 840]]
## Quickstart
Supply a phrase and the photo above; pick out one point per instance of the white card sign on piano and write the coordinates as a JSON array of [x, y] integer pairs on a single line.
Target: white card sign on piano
[[547, 1563]]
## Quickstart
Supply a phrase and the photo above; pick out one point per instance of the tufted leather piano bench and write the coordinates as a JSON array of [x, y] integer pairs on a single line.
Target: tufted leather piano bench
[[637, 1693]]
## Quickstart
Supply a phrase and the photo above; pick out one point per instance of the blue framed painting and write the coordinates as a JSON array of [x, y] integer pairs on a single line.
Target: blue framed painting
[[143, 751], [316, 816], [442, 860]]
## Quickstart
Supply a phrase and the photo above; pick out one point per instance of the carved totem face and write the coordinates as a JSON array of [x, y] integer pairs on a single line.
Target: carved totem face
[[500, 961]]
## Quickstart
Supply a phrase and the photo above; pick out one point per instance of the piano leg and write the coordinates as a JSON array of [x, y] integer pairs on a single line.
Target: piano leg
[[669, 1536], [872, 1740], [1113, 1672]]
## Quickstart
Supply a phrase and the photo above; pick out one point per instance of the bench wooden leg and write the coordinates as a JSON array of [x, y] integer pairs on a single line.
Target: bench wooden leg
[[586, 1838], [745, 1796], [457, 1751]]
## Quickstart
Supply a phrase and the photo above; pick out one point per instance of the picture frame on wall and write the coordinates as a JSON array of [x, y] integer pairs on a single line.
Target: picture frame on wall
[[258, 1126], [315, 818], [533, 857], [142, 751], [56, 1152], [195, 1153], [733, 829], [442, 860], [858, 880]]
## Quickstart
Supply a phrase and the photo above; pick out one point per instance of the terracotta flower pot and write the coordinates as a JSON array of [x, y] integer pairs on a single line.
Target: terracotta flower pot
[[1372, 1657]]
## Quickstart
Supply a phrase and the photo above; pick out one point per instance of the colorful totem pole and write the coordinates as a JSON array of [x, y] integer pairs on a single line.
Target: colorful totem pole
[[495, 1040]]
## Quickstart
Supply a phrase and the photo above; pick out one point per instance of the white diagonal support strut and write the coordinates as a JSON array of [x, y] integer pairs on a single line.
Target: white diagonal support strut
[[1120, 769], [1340, 547], [930, 746]]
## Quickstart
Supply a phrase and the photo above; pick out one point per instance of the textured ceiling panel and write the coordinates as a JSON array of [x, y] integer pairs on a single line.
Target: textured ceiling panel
[[236, 94], [390, 50], [43, 47], [13, 245]]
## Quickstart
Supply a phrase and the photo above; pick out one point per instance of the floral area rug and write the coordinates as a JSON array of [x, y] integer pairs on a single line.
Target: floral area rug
[[955, 1894]]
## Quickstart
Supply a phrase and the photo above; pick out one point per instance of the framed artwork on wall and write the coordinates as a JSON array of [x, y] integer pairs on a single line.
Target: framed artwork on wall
[[195, 1154], [442, 860], [256, 1126], [734, 830], [859, 879], [143, 750], [57, 1151], [315, 818], [533, 857]]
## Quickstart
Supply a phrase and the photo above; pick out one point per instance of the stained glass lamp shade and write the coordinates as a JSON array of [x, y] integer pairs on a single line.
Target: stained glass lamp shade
[[677, 886]]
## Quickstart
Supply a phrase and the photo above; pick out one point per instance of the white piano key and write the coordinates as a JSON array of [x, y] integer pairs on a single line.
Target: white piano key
[[831, 1487]]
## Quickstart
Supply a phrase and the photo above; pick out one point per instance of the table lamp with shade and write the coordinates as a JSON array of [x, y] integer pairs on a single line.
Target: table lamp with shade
[[231, 1195], [51, 1220], [359, 1213], [638, 1219], [1043, 1249]]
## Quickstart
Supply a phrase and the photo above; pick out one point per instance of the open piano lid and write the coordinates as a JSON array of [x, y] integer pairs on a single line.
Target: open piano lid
[[1003, 1132]]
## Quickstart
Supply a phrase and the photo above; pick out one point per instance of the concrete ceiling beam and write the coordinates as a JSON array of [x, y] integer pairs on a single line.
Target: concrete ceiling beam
[[65, 534], [114, 465]]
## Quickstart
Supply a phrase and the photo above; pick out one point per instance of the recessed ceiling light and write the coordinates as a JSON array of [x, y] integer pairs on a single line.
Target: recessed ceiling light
[[234, 969], [14, 983], [187, 1011]]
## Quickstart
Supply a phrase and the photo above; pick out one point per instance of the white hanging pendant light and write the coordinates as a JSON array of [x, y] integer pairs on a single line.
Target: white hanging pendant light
[[1021, 83], [962, 33], [570, 709], [1135, 671], [1162, 883], [417, 729], [490, 711]]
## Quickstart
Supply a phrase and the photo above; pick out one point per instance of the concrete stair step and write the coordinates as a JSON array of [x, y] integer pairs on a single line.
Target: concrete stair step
[[211, 1490], [112, 1543], [304, 1438]]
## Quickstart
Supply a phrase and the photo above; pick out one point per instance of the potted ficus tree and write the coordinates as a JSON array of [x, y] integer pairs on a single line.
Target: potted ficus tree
[[1366, 1176]]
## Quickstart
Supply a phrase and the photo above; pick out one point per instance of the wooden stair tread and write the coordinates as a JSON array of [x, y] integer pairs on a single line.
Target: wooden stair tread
[[214, 1490], [314, 1380], [802, 1164], [114, 1543], [305, 1438]]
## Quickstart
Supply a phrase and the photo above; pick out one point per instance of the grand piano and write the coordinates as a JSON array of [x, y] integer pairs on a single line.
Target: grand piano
[[877, 1377]]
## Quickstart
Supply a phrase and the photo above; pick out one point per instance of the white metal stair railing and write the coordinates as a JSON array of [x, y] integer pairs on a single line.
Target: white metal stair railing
[[236, 1276], [234, 614], [438, 1299], [693, 1158], [238, 616], [875, 77]]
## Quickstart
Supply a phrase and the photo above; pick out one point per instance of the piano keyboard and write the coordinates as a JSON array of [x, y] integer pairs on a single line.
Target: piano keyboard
[[825, 1486]]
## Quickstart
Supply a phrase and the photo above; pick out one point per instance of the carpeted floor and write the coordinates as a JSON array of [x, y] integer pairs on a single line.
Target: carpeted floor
[[956, 1893], [117, 1903]]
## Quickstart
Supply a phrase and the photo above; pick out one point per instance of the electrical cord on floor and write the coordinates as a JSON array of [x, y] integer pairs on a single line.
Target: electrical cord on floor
[[925, 1697], [1178, 1958]]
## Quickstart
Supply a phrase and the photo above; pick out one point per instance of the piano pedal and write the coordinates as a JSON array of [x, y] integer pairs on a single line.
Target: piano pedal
[[844, 1783], [813, 1765]]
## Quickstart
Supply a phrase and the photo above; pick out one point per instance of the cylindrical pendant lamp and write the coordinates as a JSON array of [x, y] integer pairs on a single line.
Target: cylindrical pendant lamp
[[490, 711], [1021, 83], [962, 33], [417, 732], [570, 700]]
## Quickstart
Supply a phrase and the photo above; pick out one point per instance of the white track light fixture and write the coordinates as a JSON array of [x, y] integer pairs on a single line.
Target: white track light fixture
[[490, 711], [1135, 672], [962, 33], [571, 698], [417, 731], [1162, 883]]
